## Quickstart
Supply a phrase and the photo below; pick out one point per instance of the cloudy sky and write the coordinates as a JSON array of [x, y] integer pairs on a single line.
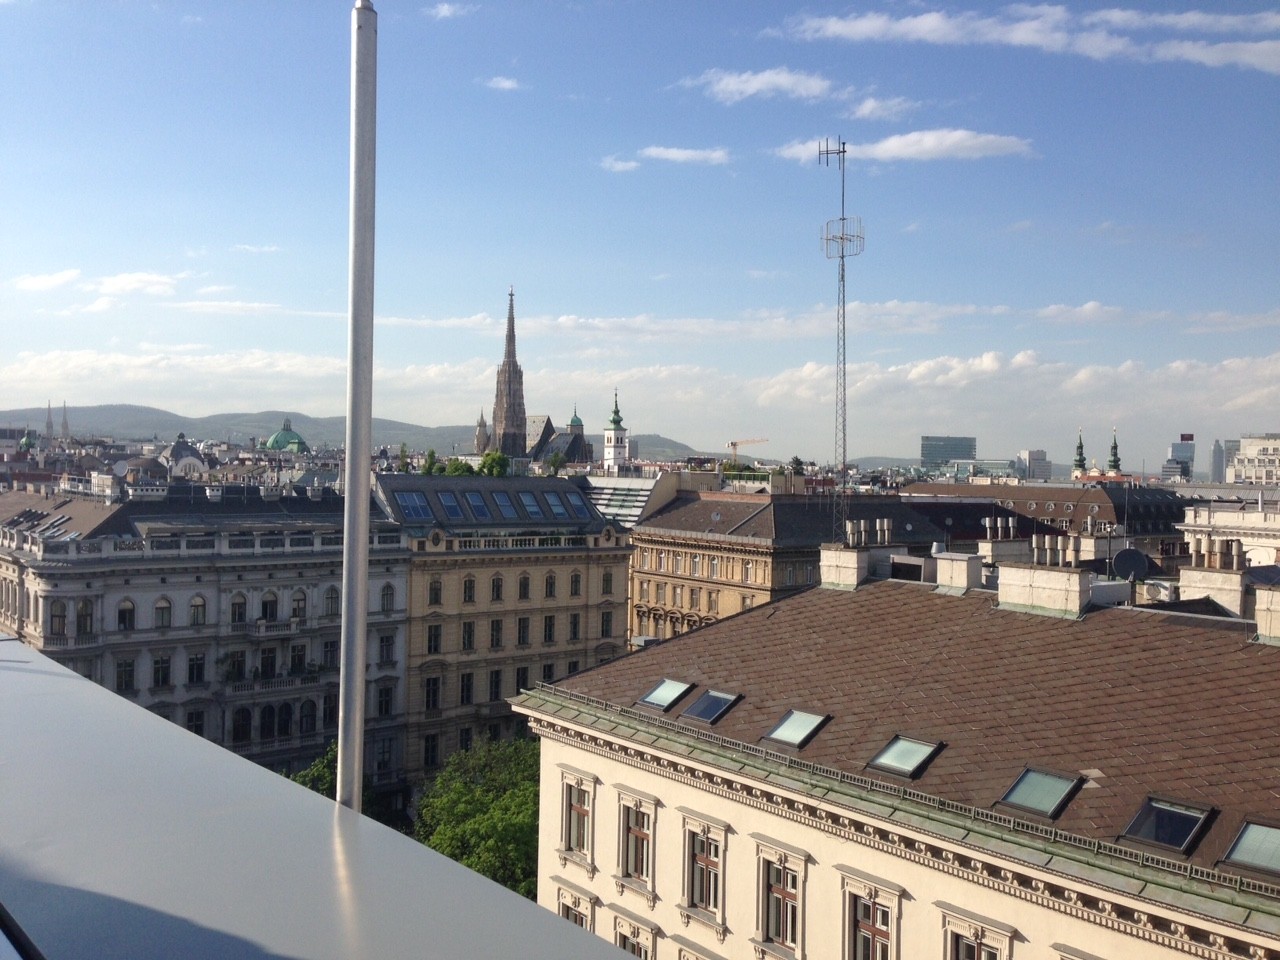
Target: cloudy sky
[[1072, 215]]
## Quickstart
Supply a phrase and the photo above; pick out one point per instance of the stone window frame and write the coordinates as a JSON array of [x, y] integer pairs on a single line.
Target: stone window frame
[[624, 923], [647, 804], [858, 885], [701, 824], [987, 933], [775, 852], [576, 898], [583, 780]]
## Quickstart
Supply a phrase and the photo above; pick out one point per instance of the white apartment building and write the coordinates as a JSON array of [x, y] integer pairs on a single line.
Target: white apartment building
[[1257, 460]]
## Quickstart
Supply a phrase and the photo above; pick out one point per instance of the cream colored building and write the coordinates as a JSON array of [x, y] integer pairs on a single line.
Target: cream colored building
[[922, 771], [512, 581], [1257, 460], [1255, 526]]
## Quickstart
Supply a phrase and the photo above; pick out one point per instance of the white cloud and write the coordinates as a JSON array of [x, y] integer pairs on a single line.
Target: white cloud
[[714, 156], [211, 290], [730, 87], [254, 248], [502, 83], [614, 165], [802, 151], [1054, 29], [38, 282], [101, 305], [447, 11], [941, 145], [155, 284], [873, 108]]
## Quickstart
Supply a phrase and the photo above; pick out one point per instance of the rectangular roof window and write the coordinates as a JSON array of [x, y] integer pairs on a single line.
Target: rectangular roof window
[[1040, 792], [1257, 846], [413, 504], [665, 695], [577, 504], [1168, 824], [905, 757], [452, 508], [796, 728], [711, 706], [531, 504], [478, 507], [557, 507], [505, 506]]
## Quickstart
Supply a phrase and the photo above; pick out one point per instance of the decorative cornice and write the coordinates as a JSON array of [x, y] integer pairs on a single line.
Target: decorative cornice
[[1157, 924]]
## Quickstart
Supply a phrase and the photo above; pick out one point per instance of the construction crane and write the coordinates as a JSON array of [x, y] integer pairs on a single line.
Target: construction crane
[[735, 444]]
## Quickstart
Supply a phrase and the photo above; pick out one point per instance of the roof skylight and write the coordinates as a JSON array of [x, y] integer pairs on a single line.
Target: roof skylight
[[1168, 824], [478, 506], [905, 757], [556, 506], [666, 694], [1040, 792], [711, 706], [796, 728], [578, 504], [503, 499], [531, 504], [1257, 846], [413, 504], [451, 506]]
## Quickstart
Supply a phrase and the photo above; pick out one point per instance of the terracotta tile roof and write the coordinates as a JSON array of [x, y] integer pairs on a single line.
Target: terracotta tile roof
[[1177, 706]]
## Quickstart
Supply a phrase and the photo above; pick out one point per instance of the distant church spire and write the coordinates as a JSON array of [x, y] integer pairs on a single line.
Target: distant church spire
[[1113, 461], [48, 424], [509, 426], [1079, 462], [482, 434], [66, 428]]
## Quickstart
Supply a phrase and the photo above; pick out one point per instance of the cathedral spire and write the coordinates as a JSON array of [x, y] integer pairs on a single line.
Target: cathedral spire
[[510, 354], [509, 433]]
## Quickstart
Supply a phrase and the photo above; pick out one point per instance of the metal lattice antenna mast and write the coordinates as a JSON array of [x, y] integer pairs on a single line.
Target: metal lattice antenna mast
[[842, 238]]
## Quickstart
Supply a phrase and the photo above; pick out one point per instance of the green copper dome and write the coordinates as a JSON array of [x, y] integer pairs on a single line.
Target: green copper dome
[[286, 439]]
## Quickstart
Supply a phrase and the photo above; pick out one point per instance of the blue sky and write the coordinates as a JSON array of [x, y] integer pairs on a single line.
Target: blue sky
[[1072, 215]]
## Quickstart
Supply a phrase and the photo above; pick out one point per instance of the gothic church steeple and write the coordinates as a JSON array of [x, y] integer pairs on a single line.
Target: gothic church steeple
[[509, 427]]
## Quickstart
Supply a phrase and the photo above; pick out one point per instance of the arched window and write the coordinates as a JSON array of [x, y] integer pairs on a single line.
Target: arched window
[[124, 615], [239, 608], [388, 598], [307, 717], [298, 609], [241, 725], [164, 613], [270, 606], [495, 589], [550, 590], [267, 723], [58, 618], [197, 612], [284, 720], [332, 602], [84, 618]]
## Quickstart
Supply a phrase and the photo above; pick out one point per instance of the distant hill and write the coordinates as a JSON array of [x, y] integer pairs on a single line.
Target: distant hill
[[125, 422]]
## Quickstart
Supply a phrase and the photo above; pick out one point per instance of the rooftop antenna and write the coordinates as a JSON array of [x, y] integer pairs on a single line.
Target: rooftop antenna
[[842, 238]]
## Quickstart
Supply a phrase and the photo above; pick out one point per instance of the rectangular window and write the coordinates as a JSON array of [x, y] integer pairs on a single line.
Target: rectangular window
[[386, 700], [606, 623], [495, 589], [270, 608], [531, 505], [468, 635], [660, 592], [236, 665], [298, 658], [465, 692], [164, 614], [782, 905], [576, 917], [577, 803], [464, 738], [557, 507], [160, 672], [962, 948], [435, 591], [469, 590], [124, 676], [329, 710], [713, 601], [479, 508], [549, 629], [636, 838], [575, 584], [573, 667], [575, 626], [195, 722], [195, 668], [330, 652], [522, 632], [267, 663], [505, 506], [435, 635], [644, 590], [495, 634], [704, 872], [695, 598], [431, 693], [523, 588], [677, 595], [431, 751], [870, 930], [548, 672], [632, 946], [299, 607], [495, 685], [522, 678], [606, 583], [452, 509]]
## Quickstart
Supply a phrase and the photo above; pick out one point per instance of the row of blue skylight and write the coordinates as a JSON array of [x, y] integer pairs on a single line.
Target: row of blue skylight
[[474, 505], [1160, 821]]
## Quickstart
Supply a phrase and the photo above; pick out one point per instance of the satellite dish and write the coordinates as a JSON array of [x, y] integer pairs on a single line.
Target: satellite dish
[[120, 468], [1130, 563]]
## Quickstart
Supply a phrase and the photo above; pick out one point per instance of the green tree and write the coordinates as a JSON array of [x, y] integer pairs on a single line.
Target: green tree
[[429, 464], [555, 463], [404, 458], [797, 466], [482, 810], [495, 464], [322, 777], [459, 468]]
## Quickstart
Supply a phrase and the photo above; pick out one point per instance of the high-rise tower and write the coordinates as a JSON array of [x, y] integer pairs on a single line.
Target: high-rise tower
[[508, 435]]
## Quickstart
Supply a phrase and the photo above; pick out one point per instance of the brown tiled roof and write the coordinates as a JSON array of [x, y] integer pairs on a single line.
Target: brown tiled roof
[[1161, 704]]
